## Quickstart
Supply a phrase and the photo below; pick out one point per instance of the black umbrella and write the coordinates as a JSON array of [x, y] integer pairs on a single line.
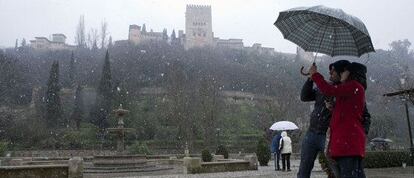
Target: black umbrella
[[325, 30]]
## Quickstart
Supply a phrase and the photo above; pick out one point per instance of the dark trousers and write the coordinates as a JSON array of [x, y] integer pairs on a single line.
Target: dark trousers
[[312, 144], [286, 161], [276, 156], [350, 167]]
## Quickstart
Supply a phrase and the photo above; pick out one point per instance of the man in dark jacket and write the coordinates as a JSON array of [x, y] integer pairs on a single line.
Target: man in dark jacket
[[315, 137], [275, 149]]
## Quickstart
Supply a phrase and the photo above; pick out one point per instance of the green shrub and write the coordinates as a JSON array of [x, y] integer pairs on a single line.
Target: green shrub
[[381, 159], [139, 148], [376, 159], [84, 138], [222, 150], [206, 155], [263, 152], [3, 148], [72, 140]]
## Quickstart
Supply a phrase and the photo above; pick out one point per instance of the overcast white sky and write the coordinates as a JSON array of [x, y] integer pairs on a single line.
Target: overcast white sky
[[250, 20]]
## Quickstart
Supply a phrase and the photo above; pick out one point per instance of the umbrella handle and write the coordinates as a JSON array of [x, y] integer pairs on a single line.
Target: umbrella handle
[[303, 73]]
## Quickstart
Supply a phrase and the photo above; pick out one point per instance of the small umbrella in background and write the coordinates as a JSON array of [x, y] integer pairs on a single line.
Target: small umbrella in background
[[325, 30], [284, 125], [379, 139]]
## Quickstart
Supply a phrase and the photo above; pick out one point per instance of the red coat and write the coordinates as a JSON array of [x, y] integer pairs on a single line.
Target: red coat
[[347, 132]]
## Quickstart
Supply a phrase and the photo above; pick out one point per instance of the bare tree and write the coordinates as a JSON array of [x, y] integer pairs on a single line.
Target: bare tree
[[104, 33], [93, 39], [80, 39], [181, 107], [210, 106]]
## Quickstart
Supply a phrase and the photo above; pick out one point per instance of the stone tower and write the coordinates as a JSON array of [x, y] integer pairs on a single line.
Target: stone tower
[[134, 35], [198, 26]]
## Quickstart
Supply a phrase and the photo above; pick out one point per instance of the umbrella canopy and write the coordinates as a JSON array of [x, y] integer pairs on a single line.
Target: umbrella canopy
[[379, 139], [284, 125], [325, 30]]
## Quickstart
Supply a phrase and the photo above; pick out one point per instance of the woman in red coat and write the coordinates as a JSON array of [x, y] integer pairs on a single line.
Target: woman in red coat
[[347, 139]]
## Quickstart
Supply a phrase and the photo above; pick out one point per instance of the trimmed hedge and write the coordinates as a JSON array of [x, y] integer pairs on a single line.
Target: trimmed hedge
[[377, 159], [381, 159], [206, 155], [263, 152], [222, 150], [3, 148], [139, 148]]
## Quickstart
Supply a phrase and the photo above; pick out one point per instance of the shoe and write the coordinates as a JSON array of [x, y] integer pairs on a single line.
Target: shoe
[[289, 170]]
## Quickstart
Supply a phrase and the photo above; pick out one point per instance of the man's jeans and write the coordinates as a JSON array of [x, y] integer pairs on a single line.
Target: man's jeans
[[276, 156], [312, 144], [350, 167]]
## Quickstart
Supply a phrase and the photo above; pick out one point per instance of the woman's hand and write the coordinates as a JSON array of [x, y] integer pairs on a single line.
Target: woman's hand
[[313, 69], [329, 105]]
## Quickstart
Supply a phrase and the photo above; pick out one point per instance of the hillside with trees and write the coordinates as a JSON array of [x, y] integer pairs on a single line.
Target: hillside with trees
[[202, 96]]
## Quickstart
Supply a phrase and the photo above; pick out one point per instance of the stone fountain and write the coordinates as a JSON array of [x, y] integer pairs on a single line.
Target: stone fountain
[[121, 163], [120, 130]]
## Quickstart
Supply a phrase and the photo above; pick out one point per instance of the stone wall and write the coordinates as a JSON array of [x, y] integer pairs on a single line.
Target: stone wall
[[62, 153], [50, 171], [193, 165], [73, 169], [224, 166]]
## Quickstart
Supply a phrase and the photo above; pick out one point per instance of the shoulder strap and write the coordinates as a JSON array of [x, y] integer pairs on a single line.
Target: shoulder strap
[[281, 145]]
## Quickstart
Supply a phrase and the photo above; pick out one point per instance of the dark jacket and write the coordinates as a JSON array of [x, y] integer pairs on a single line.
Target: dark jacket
[[275, 143], [320, 116], [366, 122]]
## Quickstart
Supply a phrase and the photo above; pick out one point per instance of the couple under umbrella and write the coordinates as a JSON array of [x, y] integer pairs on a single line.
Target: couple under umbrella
[[333, 32]]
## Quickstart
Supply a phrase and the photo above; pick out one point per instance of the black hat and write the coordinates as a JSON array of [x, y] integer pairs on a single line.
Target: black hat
[[339, 66], [357, 68], [358, 72]]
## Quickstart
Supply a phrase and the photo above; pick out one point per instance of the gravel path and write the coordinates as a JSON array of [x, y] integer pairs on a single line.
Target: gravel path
[[263, 172]]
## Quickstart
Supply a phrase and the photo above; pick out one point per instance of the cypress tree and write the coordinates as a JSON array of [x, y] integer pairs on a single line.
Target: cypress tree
[[174, 40], [23, 43], [165, 35], [173, 36], [71, 80], [103, 105], [53, 103], [16, 45], [110, 45], [77, 114], [144, 28]]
